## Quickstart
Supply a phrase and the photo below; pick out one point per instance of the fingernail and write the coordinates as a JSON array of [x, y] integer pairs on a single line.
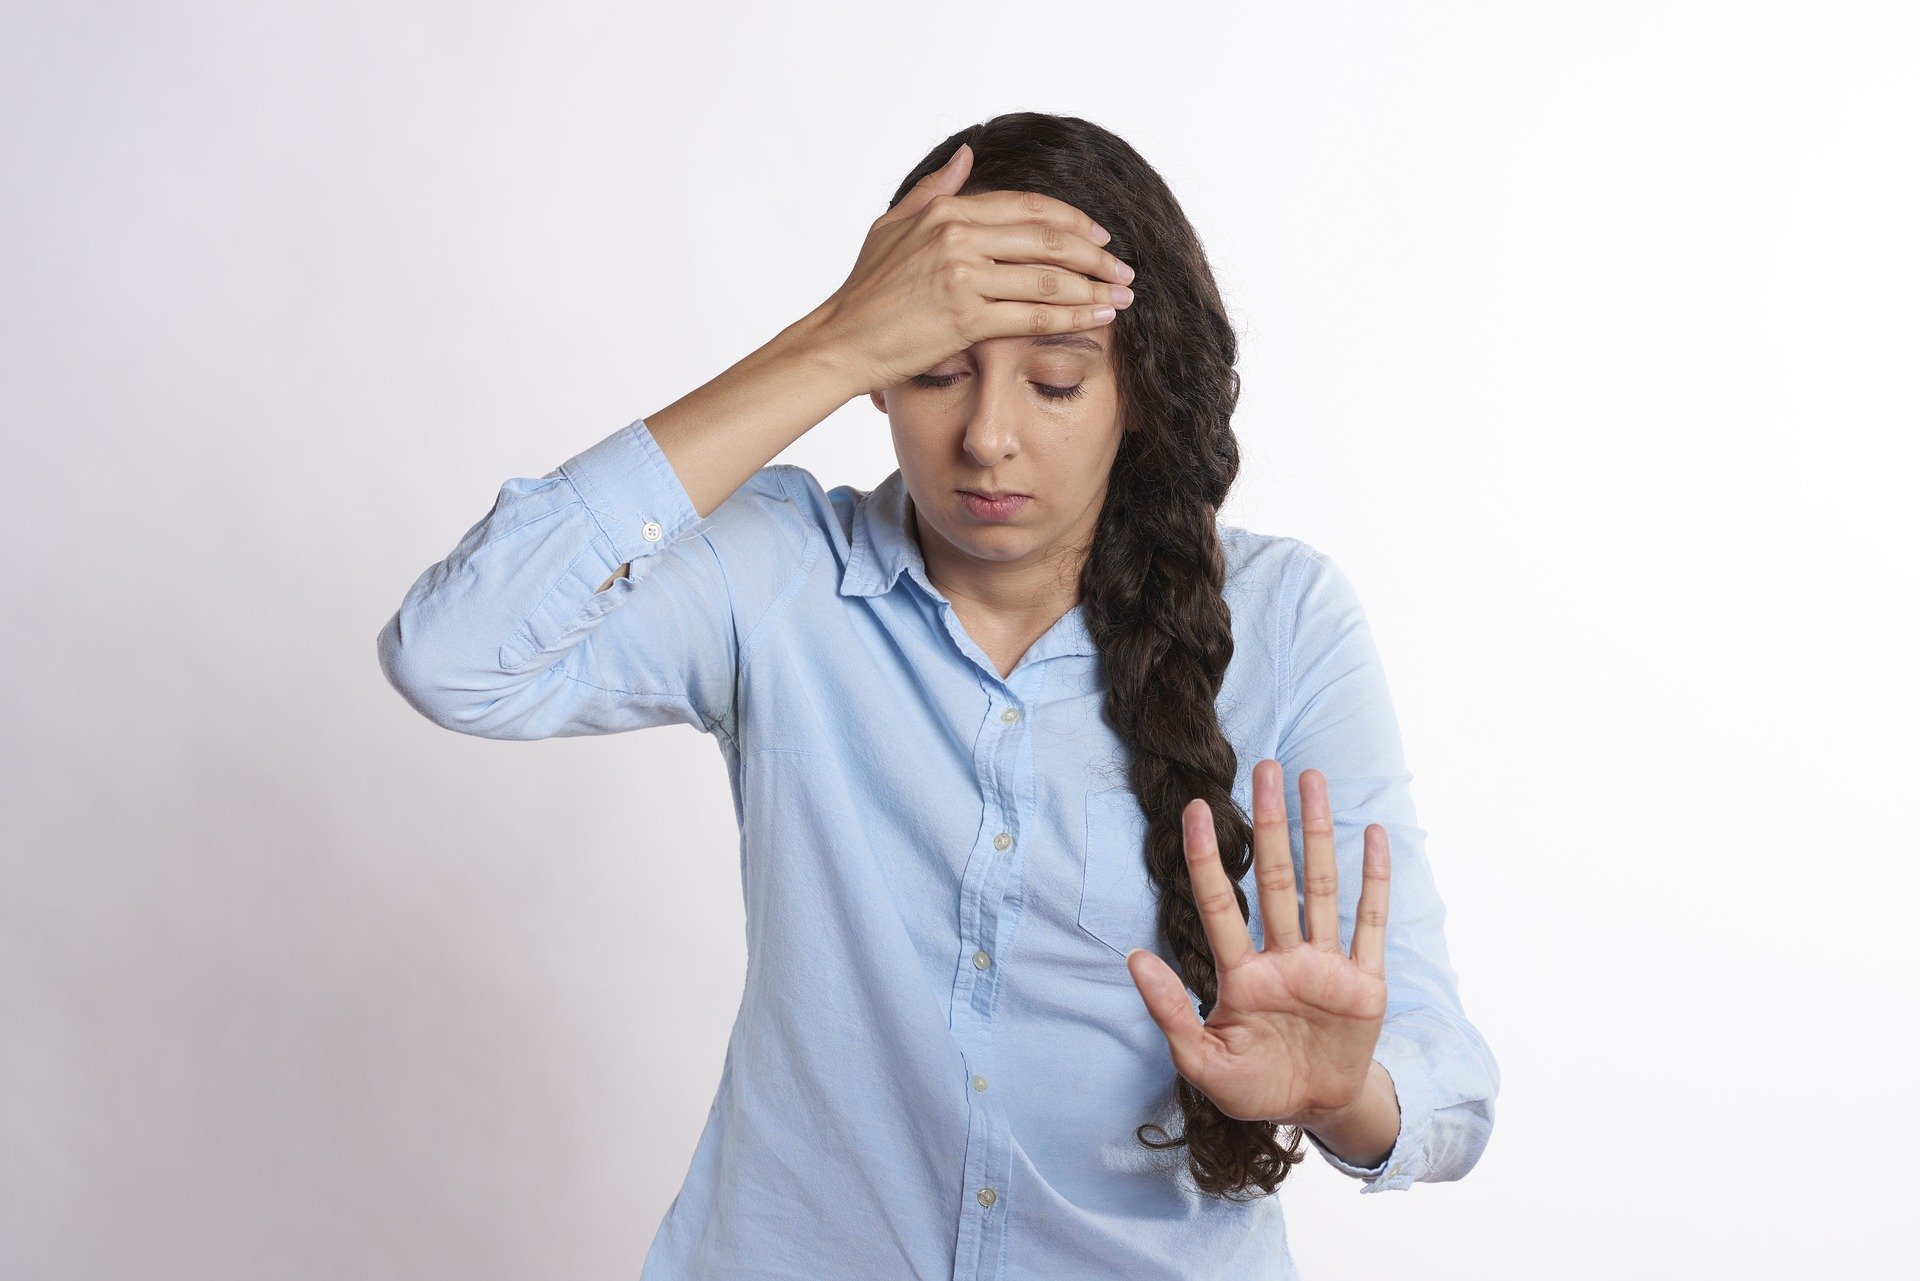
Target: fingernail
[[1102, 233]]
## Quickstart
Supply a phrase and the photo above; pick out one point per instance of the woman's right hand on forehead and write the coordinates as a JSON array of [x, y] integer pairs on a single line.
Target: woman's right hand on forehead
[[940, 272]]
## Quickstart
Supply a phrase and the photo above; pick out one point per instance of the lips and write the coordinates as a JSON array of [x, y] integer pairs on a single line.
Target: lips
[[993, 509]]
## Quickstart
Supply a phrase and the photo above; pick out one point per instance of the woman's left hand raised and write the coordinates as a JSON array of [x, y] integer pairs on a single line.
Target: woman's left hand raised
[[1291, 1036]]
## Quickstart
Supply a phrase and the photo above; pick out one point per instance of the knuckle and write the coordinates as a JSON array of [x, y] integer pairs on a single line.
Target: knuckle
[[1033, 202], [960, 321], [1053, 238], [951, 236], [1276, 879], [1039, 320], [1049, 282], [1213, 901]]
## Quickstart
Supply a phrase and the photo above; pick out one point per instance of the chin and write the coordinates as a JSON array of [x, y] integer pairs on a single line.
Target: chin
[[998, 543], [962, 531]]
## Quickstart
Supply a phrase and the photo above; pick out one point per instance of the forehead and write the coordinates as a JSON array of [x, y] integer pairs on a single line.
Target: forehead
[[1082, 342]]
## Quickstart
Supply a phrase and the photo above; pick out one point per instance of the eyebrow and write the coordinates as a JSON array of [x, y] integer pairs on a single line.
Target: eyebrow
[[1067, 340]]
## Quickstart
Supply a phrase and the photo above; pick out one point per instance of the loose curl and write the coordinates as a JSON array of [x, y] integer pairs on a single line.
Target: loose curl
[[1151, 585]]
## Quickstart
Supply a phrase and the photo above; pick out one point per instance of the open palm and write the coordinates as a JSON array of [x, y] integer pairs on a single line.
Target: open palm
[[1291, 1035]]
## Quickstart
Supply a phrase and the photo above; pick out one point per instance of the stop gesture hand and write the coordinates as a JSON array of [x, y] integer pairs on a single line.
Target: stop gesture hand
[[1290, 1037]]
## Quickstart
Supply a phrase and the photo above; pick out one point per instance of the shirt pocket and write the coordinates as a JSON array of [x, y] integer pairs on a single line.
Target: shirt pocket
[[1118, 901]]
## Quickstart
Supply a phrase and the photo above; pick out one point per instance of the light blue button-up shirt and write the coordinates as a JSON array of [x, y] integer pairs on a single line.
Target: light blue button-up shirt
[[939, 1059]]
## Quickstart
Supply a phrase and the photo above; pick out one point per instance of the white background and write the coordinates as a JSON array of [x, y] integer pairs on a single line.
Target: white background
[[1582, 336]]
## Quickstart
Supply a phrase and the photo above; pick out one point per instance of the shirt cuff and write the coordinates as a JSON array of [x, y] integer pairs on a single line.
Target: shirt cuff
[[633, 492], [1401, 1057]]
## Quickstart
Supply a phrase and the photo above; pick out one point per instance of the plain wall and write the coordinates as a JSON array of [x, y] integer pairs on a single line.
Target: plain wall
[[1580, 335]]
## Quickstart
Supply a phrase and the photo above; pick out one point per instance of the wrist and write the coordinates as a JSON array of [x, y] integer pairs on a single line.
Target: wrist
[[1364, 1130], [1317, 1119], [813, 343]]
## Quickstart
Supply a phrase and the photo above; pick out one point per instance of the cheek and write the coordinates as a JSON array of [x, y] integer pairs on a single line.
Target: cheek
[[913, 438], [1087, 445], [923, 455]]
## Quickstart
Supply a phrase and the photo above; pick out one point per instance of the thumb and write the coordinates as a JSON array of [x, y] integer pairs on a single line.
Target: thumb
[[1165, 994], [943, 181]]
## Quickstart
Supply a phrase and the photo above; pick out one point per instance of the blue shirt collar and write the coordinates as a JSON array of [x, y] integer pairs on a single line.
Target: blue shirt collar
[[883, 548]]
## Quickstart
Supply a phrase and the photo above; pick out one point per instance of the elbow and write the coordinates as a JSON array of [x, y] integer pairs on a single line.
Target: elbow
[[1448, 1081], [411, 677], [422, 674], [1465, 1140], [1461, 1142]]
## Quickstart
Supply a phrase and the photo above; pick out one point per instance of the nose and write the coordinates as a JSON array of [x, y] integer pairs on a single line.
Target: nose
[[993, 430]]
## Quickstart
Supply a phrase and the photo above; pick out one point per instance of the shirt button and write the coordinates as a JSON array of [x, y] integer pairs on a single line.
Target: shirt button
[[979, 1082], [985, 1196], [1011, 715], [981, 960], [651, 531], [1001, 841]]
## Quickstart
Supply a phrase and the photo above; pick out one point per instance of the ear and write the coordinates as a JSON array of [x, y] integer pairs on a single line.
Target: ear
[[879, 398]]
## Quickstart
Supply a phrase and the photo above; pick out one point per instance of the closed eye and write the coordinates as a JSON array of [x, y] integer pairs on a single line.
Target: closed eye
[[936, 381]]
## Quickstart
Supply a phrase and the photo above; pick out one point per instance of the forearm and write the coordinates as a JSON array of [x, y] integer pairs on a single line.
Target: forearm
[[720, 434], [1363, 1132]]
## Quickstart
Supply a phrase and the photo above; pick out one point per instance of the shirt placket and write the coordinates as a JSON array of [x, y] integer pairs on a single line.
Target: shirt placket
[[989, 903]]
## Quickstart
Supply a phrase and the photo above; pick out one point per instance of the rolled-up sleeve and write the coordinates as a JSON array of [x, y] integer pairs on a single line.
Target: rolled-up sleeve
[[593, 600], [1340, 720]]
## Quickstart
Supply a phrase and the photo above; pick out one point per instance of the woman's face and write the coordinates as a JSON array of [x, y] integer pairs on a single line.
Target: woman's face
[[1033, 416]]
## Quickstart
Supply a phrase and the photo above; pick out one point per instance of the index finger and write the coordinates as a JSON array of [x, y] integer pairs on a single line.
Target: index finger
[[1030, 206], [1212, 891]]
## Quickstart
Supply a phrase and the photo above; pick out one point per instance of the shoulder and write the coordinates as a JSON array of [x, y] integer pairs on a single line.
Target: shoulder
[[764, 514], [1273, 568], [764, 538], [1296, 592], [792, 494], [784, 527]]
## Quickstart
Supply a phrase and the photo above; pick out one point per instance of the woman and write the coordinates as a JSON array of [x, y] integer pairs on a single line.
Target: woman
[[1016, 742]]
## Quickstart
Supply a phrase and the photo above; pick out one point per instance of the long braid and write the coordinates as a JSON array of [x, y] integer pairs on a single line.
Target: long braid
[[1154, 606]]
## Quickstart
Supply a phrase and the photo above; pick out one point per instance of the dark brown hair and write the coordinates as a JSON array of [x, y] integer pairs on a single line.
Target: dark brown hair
[[1151, 586]]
